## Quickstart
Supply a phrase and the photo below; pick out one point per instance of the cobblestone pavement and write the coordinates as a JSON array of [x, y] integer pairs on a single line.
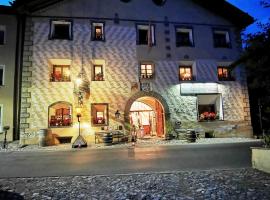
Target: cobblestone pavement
[[15, 146], [243, 184]]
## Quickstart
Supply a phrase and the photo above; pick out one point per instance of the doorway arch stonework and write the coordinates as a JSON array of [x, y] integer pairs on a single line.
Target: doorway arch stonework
[[146, 94]]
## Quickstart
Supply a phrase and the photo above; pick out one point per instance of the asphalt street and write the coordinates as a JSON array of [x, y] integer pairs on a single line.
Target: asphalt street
[[125, 160]]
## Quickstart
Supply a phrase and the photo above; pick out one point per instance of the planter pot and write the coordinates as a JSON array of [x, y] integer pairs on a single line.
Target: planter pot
[[261, 159]]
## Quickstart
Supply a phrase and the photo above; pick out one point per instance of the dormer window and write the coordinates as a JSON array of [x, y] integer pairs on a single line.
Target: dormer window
[[221, 38], [185, 73], [146, 35], [61, 30], [147, 70], [98, 31], [184, 37]]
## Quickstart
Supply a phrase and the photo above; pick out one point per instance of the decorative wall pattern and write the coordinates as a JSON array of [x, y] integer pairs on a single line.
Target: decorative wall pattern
[[119, 52]]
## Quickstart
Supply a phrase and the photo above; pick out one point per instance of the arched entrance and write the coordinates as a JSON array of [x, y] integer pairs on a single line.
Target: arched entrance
[[147, 116], [147, 111]]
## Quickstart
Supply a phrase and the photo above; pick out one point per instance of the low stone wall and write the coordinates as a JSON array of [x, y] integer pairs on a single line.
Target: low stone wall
[[261, 159]]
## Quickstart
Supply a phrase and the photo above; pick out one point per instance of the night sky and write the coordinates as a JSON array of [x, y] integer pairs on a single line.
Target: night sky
[[250, 6]]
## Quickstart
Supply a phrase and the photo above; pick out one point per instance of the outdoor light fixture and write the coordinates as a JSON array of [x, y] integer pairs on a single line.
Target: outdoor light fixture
[[80, 141], [117, 114], [79, 80]]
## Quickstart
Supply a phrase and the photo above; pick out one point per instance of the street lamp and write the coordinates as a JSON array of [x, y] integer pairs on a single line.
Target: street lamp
[[80, 141]]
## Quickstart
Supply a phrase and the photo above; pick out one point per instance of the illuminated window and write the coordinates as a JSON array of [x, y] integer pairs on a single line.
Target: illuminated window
[[60, 73], [147, 71], [185, 73], [184, 37], [60, 114], [2, 75], [221, 39], [98, 74], [61, 29], [224, 74], [100, 114], [146, 35], [2, 35], [98, 31]]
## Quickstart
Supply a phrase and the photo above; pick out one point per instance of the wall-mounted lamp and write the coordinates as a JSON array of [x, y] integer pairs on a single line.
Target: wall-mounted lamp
[[117, 114]]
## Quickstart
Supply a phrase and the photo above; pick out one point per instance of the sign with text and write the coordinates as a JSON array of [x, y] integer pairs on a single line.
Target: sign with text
[[199, 88]]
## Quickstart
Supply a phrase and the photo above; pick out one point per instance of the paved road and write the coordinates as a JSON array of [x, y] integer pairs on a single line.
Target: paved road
[[125, 160]]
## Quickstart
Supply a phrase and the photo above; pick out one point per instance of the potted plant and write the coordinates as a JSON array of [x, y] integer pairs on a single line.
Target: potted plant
[[169, 130], [261, 155]]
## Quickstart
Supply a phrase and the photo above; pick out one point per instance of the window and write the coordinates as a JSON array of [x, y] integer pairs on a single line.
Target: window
[[60, 114], [146, 35], [224, 74], [210, 107], [1, 118], [100, 114], [185, 73], [60, 73], [2, 75], [98, 74], [147, 71], [184, 37], [61, 30], [2, 35], [221, 39], [98, 31]]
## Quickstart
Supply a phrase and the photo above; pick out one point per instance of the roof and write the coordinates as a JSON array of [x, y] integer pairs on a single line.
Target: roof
[[219, 7], [228, 11]]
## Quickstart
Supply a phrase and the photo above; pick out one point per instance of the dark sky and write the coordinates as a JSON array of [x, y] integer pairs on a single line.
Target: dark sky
[[252, 7]]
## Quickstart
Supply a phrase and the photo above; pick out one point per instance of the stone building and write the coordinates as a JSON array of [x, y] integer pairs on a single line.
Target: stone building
[[8, 36], [144, 63]]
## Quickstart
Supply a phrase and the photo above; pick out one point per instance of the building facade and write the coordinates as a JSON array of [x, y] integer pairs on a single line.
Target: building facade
[[132, 63], [8, 35]]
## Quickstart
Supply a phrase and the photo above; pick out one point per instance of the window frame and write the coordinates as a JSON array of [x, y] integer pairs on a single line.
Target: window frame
[[3, 28], [58, 21], [62, 79], [190, 31], [93, 32], [71, 114], [93, 114], [191, 69], [227, 34], [153, 27], [142, 75], [3, 77], [230, 76], [94, 72]]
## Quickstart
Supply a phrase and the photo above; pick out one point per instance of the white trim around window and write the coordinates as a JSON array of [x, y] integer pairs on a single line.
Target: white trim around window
[[2, 74]]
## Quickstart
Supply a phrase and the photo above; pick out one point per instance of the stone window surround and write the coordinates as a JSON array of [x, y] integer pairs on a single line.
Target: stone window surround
[[94, 72], [93, 25], [3, 78], [71, 111], [146, 63], [93, 114], [185, 29], [145, 26], [227, 35], [3, 28], [61, 21]]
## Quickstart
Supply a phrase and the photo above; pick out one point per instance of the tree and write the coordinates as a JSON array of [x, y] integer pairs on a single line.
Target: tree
[[256, 59]]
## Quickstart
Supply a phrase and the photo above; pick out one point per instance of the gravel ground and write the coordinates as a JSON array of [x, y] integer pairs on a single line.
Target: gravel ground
[[14, 146], [243, 184]]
